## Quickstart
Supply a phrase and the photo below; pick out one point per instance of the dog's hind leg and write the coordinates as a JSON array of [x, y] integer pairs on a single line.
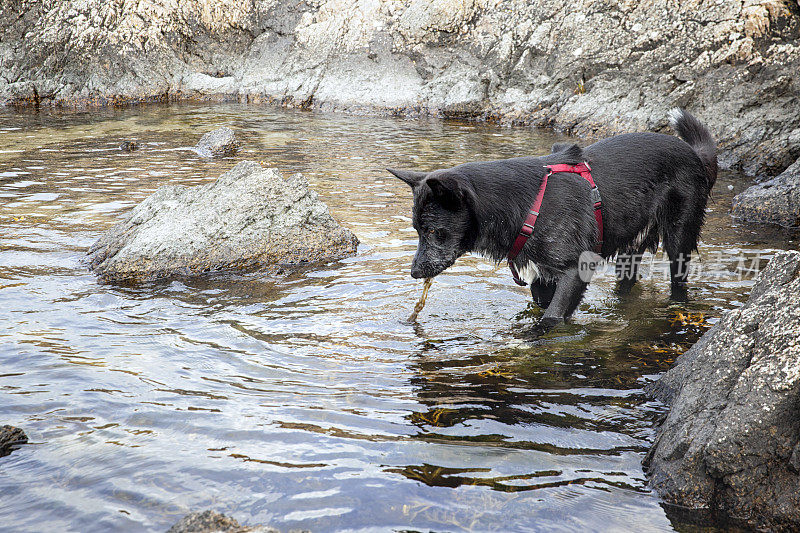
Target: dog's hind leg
[[568, 294], [627, 263], [679, 242], [543, 292], [679, 274]]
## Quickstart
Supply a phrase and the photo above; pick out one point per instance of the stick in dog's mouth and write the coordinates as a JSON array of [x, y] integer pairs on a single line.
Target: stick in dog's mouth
[[421, 303]]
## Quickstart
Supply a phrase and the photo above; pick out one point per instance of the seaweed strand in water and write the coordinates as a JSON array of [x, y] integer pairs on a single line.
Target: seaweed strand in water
[[421, 302]]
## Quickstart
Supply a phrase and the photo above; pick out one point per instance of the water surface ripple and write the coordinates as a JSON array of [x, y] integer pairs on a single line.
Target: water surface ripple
[[305, 401]]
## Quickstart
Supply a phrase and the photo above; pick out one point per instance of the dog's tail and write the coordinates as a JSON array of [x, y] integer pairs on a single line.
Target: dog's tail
[[699, 138]]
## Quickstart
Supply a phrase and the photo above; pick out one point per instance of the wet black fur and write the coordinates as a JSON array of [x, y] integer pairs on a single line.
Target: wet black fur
[[650, 183]]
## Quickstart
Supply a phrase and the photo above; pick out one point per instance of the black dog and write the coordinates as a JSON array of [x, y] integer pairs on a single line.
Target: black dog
[[654, 189]]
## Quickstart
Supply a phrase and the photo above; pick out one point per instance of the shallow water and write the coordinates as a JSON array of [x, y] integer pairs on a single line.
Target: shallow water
[[307, 401]]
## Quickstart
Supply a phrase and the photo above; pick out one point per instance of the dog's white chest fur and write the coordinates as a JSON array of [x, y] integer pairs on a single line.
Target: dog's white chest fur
[[529, 272]]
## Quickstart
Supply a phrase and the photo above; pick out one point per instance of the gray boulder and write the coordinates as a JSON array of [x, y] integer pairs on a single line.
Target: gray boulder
[[10, 438], [218, 143], [249, 218], [776, 201], [730, 444]]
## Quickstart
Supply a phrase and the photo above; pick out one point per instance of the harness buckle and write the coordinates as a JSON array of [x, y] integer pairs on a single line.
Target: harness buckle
[[595, 195]]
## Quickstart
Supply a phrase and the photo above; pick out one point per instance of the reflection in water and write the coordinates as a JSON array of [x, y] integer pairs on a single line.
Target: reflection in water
[[306, 400]]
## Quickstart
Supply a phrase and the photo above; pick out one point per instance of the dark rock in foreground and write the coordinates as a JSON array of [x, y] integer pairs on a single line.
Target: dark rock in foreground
[[731, 442], [776, 201], [218, 143], [249, 218], [213, 522], [10, 437]]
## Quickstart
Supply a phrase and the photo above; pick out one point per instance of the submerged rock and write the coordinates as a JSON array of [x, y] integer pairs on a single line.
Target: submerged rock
[[776, 201], [129, 146], [213, 522], [218, 143], [10, 438], [249, 218], [731, 441]]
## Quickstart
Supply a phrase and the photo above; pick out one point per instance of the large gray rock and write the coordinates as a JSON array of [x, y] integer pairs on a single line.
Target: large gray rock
[[776, 201], [731, 441], [218, 143], [10, 438], [589, 68], [214, 522], [249, 218]]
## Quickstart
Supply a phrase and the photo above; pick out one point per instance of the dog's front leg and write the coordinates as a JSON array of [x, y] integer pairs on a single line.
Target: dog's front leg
[[543, 292], [569, 291]]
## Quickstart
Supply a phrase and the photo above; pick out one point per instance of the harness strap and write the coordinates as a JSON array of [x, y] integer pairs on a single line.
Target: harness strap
[[525, 233]]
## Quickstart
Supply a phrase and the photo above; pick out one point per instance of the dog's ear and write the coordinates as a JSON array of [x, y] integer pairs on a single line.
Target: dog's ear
[[447, 191], [571, 152], [560, 147], [411, 177]]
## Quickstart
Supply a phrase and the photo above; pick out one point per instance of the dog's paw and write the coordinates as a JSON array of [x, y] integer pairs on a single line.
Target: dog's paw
[[544, 325], [679, 292]]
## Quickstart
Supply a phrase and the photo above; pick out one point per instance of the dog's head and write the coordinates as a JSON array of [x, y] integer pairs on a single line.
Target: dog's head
[[443, 216]]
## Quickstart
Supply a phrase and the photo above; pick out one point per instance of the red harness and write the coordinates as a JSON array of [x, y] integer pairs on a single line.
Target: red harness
[[530, 221]]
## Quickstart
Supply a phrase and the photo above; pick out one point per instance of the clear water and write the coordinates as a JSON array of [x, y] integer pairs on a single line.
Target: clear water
[[305, 401]]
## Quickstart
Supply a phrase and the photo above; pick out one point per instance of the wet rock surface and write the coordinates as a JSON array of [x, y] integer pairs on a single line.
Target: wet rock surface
[[776, 201], [10, 438], [213, 522], [731, 441], [595, 68], [128, 146], [250, 218], [218, 143]]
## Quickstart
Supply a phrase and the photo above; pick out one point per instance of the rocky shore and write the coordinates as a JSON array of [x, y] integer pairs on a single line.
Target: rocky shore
[[730, 445], [775, 201], [588, 69]]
